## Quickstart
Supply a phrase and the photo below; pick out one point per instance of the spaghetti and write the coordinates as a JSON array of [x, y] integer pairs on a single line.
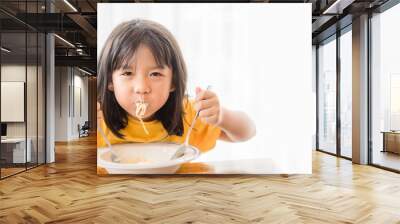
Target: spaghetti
[[141, 108]]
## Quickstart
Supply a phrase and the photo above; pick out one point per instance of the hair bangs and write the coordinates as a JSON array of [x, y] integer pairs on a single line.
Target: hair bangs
[[125, 52], [160, 49]]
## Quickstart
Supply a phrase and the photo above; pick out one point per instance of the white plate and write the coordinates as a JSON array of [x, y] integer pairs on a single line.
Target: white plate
[[144, 158]]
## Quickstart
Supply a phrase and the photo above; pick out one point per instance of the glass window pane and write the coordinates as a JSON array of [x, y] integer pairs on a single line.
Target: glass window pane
[[327, 97], [13, 85], [22, 88], [346, 94], [386, 89]]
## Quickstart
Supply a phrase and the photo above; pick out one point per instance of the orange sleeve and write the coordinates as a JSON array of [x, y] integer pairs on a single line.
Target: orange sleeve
[[101, 171], [204, 136]]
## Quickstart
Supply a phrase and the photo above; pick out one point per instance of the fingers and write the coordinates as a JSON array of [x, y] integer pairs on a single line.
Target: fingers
[[204, 99], [210, 116], [205, 104], [203, 94], [198, 90], [209, 112]]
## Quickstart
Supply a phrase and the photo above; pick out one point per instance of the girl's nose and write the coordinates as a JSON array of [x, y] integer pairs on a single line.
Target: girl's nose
[[141, 86]]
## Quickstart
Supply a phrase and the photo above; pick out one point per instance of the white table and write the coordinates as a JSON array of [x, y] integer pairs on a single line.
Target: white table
[[19, 155]]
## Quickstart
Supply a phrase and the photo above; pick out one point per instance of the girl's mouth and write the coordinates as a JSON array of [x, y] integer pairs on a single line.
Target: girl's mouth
[[141, 108]]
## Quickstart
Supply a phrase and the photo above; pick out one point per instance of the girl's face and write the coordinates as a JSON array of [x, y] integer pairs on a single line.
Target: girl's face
[[142, 79]]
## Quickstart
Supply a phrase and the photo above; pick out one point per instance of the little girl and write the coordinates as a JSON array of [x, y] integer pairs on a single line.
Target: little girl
[[141, 93]]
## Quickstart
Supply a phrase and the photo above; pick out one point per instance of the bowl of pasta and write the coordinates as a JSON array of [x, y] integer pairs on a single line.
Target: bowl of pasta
[[144, 158]]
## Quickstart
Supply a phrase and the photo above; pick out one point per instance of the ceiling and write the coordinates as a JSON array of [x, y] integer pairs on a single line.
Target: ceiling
[[75, 21]]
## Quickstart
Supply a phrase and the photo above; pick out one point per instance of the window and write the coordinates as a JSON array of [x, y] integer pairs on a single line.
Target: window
[[346, 93], [327, 96], [23, 76], [385, 88]]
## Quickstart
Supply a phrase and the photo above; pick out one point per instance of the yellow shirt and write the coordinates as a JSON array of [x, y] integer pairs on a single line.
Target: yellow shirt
[[203, 136]]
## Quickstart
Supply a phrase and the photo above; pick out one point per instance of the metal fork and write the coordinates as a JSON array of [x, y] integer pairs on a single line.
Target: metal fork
[[181, 150], [114, 157]]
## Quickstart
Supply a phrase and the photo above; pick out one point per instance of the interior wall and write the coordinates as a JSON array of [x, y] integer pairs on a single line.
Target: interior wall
[[61, 103], [80, 102], [71, 102]]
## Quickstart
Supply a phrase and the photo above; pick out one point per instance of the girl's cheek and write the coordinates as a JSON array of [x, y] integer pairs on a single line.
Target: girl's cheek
[[121, 92]]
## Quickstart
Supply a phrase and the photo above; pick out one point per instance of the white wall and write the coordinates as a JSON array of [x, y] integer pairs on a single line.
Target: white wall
[[67, 115], [61, 103], [80, 98]]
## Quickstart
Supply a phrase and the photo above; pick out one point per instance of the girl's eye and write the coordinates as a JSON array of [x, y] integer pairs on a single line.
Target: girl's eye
[[127, 73], [155, 74]]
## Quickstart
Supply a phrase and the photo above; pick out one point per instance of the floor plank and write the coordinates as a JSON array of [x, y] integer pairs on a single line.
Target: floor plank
[[69, 191]]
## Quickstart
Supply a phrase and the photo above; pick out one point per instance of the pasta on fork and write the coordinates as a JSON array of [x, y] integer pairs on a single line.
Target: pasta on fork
[[141, 108]]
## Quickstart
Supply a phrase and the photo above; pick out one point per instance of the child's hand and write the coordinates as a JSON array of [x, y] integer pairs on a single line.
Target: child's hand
[[207, 103]]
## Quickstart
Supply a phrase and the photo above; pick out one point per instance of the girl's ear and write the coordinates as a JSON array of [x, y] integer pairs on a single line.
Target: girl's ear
[[110, 86], [172, 89]]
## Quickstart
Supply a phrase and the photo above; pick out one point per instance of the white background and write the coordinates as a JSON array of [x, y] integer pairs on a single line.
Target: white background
[[257, 57]]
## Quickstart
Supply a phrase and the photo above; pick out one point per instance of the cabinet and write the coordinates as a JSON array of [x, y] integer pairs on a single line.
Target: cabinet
[[391, 141]]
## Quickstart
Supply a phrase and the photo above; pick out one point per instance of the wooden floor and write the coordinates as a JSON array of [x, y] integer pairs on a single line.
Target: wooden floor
[[10, 171], [5, 172], [69, 191]]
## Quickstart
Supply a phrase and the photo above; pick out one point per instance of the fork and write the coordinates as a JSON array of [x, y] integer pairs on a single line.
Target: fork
[[114, 157], [181, 150]]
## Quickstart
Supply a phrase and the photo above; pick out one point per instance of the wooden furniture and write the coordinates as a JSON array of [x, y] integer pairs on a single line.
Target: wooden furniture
[[391, 141]]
